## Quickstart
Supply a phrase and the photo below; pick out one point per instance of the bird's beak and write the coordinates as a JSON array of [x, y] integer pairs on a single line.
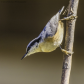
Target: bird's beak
[[24, 56]]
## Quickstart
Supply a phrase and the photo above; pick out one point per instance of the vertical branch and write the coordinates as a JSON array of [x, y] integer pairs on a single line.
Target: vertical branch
[[69, 39]]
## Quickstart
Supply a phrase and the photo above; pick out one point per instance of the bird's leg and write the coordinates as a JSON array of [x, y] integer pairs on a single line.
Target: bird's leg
[[65, 51]]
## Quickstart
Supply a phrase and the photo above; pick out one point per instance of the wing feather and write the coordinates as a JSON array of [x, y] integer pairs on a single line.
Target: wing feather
[[52, 26]]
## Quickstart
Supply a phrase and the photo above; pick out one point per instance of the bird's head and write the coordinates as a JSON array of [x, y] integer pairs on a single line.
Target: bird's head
[[33, 47]]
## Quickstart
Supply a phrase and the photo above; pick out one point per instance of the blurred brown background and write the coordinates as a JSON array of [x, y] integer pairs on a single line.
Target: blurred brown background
[[20, 22]]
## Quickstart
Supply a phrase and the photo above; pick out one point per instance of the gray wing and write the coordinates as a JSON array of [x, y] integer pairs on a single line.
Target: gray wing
[[51, 27]]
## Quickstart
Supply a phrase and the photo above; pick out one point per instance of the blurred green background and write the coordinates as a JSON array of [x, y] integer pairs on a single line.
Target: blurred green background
[[22, 21]]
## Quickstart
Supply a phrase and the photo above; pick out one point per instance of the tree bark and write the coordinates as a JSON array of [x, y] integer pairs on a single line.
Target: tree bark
[[69, 40]]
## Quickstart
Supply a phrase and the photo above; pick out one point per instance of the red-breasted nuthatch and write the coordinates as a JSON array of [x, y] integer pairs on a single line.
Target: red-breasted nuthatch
[[50, 38]]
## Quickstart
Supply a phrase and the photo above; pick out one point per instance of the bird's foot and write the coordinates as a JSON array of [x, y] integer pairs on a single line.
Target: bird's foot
[[71, 17], [66, 52]]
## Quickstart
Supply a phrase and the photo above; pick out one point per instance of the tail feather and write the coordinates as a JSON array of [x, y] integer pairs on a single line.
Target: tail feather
[[60, 11]]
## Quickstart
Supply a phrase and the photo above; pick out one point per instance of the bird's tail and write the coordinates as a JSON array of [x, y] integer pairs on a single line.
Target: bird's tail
[[60, 11]]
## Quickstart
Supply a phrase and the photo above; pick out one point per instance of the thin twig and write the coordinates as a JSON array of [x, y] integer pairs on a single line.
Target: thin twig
[[69, 39]]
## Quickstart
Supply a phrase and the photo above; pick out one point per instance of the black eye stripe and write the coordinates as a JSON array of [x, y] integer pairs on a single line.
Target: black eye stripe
[[33, 42]]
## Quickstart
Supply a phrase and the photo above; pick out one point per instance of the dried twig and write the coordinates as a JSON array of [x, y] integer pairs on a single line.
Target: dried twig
[[69, 39]]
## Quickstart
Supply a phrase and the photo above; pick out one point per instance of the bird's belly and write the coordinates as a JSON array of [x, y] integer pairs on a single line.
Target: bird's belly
[[51, 44], [48, 47]]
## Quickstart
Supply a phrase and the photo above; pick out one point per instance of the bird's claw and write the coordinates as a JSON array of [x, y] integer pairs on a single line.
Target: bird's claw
[[71, 17], [67, 52]]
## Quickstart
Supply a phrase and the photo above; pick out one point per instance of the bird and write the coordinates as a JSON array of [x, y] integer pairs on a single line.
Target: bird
[[50, 38]]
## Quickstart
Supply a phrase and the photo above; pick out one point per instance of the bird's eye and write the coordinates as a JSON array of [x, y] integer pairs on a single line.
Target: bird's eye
[[36, 45]]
